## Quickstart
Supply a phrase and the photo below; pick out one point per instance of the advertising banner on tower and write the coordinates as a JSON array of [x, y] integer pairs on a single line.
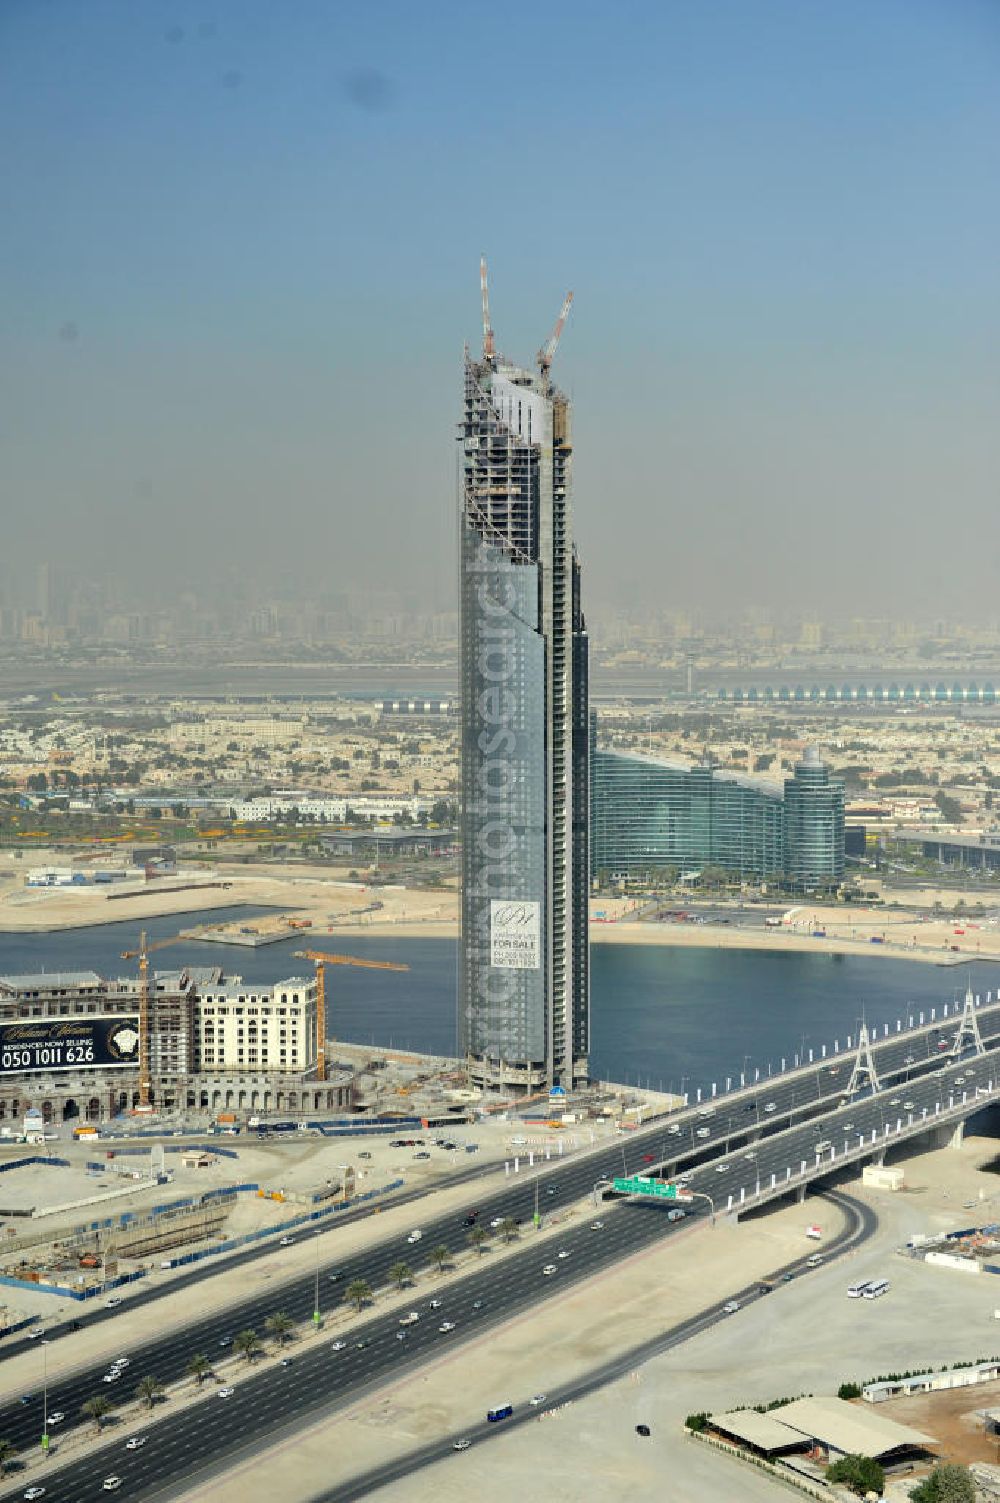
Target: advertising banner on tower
[[515, 935], [69, 1044]]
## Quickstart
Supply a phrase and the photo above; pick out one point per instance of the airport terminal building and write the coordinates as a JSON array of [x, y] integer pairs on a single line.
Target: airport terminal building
[[649, 815], [69, 1045]]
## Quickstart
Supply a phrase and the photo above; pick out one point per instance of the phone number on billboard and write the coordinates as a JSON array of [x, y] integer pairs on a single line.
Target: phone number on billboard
[[37, 1056]]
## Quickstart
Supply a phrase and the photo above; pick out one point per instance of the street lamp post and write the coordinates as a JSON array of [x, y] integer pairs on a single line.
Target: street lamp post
[[45, 1397]]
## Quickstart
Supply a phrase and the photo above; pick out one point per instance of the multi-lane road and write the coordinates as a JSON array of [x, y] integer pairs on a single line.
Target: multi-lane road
[[269, 1401]]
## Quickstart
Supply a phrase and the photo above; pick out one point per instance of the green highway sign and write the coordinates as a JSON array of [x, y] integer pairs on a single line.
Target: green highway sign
[[649, 1187]]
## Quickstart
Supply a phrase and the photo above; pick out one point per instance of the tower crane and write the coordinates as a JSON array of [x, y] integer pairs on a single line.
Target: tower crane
[[546, 354], [489, 345], [321, 961], [142, 955]]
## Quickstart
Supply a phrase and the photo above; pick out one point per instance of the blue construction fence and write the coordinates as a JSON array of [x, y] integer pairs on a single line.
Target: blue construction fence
[[36, 1158], [97, 1291]]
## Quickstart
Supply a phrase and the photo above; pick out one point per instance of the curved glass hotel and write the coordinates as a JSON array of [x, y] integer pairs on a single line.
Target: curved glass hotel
[[648, 814]]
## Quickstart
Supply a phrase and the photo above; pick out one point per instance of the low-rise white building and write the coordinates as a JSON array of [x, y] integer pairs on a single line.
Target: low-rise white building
[[241, 1026]]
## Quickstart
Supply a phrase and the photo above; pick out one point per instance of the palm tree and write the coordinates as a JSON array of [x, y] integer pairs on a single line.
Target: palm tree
[[358, 1292], [508, 1229], [248, 1343], [401, 1274], [199, 1367], [440, 1255], [149, 1389], [95, 1409], [7, 1450], [279, 1325], [476, 1236]]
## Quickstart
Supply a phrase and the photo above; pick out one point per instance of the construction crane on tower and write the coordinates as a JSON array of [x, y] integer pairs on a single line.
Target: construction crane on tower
[[546, 354], [489, 344], [142, 955], [321, 961]]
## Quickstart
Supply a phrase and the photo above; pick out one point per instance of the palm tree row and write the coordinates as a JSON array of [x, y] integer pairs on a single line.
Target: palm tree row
[[359, 1292]]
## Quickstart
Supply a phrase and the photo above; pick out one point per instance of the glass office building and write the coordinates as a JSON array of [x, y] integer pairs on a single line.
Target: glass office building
[[649, 816], [814, 825], [524, 983]]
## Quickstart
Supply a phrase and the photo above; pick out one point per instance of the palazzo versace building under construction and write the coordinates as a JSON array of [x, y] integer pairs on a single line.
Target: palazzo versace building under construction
[[524, 995]]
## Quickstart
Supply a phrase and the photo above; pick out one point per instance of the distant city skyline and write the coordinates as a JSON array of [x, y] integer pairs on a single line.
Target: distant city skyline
[[233, 250]]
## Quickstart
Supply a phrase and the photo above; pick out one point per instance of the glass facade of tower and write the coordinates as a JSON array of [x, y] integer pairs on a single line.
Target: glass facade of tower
[[524, 981], [648, 815], [814, 825]]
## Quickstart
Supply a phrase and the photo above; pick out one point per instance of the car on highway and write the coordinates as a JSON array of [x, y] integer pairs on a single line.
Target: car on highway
[[122, 1362], [959, 1080], [477, 1304], [685, 1178], [722, 1168], [287, 1361], [647, 1158], [771, 1106], [549, 1270], [35, 1492], [113, 1375], [675, 1214], [597, 1226], [536, 1399], [562, 1253], [26, 1398], [730, 1307], [908, 1106], [34, 1335], [706, 1111], [703, 1132], [461, 1445], [113, 1302], [434, 1304], [410, 1318], [226, 1393], [815, 1260], [287, 1242], [365, 1341], [750, 1156], [225, 1341], [897, 1102], [337, 1346], [497, 1221], [57, 1417], [447, 1325], [551, 1190], [337, 1275], [135, 1442], [674, 1127], [112, 1484]]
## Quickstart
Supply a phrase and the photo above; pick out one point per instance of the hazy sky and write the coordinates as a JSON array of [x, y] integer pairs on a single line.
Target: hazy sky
[[239, 260]]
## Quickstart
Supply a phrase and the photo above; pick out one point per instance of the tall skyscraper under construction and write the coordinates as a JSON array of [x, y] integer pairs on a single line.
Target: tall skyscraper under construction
[[524, 985]]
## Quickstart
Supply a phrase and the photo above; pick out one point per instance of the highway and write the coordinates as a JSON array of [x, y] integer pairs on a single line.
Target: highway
[[267, 1402], [861, 1222]]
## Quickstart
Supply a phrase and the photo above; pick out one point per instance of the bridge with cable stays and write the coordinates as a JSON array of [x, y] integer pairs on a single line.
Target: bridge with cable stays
[[744, 1148]]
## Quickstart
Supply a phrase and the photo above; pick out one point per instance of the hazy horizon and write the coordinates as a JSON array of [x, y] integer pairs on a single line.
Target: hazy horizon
[[241, 261]]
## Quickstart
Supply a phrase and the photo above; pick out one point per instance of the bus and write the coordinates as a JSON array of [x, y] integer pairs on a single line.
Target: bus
[[856, 1291], [501, 1412], [880, 1286]]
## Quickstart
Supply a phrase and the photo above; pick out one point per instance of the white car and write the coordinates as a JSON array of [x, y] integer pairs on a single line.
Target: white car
[[122, 1362], [226, 1393], [674, 1127], [730, 1307], [703, 1132], [135, 1443], [750, 1156], [113, 1302], [112, 1484], [56, 1418], [461, 1445], [908, 1106], [815, 1260], [497, 1221], [536, 1399], [597, 1226], [34, 1335], [771, 1106], [434, 1304], [447, 1325], [337, 1346], [35, 1492], [287, 1242], [549, 1270], [562, 1253], [113, 1375], [722, 1168]]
